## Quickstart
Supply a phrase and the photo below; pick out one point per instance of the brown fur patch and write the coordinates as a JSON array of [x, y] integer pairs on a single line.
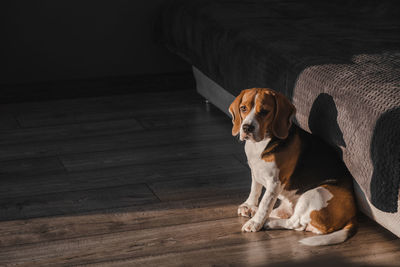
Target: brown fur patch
[[285, 158], [340, 212], [265, 106]]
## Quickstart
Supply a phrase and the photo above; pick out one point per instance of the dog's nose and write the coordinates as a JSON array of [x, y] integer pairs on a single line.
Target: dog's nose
[[248, 128]]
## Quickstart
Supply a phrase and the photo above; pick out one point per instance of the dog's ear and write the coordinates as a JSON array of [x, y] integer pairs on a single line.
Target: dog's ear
[[234, 111], [284, 110]]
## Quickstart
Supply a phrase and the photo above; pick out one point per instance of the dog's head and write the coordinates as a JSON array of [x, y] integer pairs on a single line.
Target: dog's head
[[259, 113]]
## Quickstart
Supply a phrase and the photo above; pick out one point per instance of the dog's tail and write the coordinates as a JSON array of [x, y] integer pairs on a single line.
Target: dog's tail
[[332, 238]]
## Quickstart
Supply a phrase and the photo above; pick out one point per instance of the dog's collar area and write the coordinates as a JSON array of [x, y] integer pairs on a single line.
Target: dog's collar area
[[276, 144]]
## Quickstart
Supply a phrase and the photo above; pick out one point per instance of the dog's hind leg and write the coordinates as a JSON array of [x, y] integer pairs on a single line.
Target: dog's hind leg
[[314, 199]]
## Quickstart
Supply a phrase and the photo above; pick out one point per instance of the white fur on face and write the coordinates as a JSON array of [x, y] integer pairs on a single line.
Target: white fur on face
[[251, 120]]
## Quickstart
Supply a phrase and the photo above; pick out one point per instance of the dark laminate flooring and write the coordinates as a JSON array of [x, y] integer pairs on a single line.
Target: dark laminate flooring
[[143, 179]]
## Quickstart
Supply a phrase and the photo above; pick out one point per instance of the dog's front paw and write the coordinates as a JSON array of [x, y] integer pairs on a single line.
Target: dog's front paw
[[247, 210], [252, 226]]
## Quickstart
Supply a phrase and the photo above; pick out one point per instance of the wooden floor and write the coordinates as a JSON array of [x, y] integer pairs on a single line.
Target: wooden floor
[[146, 179]]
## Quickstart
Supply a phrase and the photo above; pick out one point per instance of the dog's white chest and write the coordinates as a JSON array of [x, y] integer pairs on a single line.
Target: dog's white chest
[[261, 170]]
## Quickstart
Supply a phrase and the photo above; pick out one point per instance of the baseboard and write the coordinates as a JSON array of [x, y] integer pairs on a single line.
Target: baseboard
[[212, 91]]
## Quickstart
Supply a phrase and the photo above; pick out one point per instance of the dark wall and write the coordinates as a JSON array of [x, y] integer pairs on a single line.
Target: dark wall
[[53, 40]]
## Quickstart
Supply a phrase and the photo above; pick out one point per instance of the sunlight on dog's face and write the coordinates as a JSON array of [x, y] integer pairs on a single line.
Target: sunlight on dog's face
[[256, 110], [259, 113]]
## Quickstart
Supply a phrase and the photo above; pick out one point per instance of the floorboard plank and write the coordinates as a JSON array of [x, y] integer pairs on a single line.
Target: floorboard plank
[[132, 244], [267, 253], [65, 132], [196, 187], [206, 243], [134, 139], [81, 200], [140, 217], [75, 202], [30, 183], [40, 166], [8, 121], [197, 114], [281, 250], [98, 103], [104, 86], [142, 155], [70, 111]]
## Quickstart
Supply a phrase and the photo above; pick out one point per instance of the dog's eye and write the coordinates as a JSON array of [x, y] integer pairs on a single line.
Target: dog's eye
[[263, 112], [243, 108]]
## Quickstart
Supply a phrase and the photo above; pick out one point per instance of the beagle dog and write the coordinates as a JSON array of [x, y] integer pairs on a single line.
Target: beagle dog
[[312, 184]]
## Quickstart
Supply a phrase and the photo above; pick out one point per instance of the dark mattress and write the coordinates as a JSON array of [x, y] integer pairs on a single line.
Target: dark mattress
[[338, 61]]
